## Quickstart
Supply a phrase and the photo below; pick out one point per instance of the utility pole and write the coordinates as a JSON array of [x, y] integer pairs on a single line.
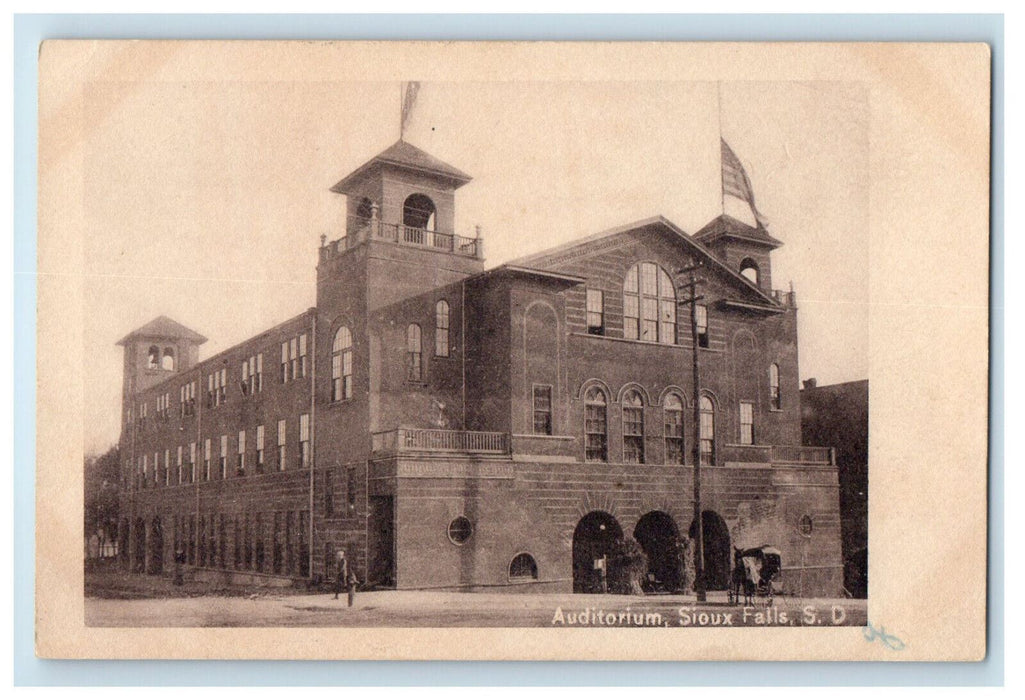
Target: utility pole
[[690, 289]]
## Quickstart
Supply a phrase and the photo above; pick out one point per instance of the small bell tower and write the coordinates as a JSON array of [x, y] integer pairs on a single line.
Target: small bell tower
[[156, 351], [743, 248]]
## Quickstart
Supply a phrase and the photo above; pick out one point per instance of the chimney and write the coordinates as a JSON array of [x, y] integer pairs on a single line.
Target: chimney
[[810, 383]]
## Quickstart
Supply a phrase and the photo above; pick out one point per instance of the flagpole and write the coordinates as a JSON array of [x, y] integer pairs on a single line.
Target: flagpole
[[402, 94], [722, 186]]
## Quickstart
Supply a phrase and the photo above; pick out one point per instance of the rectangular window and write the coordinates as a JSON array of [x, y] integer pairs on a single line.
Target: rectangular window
[[180, 466], [240, 466], [156, 468], [259, 373], [329, 494], [192, 462], [224, 456], [595, 312], [244, 385], [542, 410], [293, 358], [746, 423], [284, 362], [206, 460], [210, 391], [633, 435], [350, 488], [304, 441], [302, 355], [281, 445], [259, 449], [701, 311], [167, 467], [222, 395], [145, 471]]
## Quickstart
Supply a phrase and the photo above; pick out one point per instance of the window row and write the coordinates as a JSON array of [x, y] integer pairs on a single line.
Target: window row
[[596, 427], [649, 308], [272, 542], [211, 460]]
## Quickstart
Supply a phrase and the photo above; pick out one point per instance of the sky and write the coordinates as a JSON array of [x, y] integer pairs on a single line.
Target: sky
[[205, 201]]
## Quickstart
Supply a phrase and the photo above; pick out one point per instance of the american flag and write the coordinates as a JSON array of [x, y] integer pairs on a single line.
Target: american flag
[[735, 181]]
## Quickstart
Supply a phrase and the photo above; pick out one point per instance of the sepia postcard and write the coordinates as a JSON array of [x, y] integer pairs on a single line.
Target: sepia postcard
[[512, 350]]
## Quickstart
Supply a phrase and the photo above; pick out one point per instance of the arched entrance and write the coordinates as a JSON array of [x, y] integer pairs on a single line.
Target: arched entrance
[[594, 541], [156, 547], [716, 550], [659, 536]]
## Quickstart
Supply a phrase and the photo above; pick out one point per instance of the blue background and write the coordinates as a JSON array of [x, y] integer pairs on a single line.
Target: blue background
[[29, 30]]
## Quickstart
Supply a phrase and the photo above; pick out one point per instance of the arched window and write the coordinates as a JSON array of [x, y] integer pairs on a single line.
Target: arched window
[[414, 353], [523, 566], [154, 357], [707, 430], [441, 329], [775, 398], [418, 212], [167, 361], [672, 411], [649, 304], [749, 269], [633, 427], [596, 426], [341, 365]]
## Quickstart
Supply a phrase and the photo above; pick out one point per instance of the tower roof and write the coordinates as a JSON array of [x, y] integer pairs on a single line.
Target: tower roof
[[725, 226], [164, 328], [405, 156]]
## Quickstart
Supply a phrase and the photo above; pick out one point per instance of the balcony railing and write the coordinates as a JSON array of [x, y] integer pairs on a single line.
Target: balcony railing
[[433, 440], [788, 299], [360, 229], [800, 454], [778, 454]]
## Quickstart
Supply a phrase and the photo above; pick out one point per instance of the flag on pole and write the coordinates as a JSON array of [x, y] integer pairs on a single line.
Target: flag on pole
[[408, 101], [736, 183]]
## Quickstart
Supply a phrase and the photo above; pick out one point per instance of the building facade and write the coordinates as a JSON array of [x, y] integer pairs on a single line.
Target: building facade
[[453, 426]]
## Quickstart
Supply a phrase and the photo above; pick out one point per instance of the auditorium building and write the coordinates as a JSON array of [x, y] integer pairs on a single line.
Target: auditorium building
[[454, 426]]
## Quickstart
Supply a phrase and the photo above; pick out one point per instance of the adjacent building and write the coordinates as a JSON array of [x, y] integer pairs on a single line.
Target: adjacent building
[[454, 426]]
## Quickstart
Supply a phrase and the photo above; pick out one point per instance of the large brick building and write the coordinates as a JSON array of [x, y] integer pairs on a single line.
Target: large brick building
[[452, 426]]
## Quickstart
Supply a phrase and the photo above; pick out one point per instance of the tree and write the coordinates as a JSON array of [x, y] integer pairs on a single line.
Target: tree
[[101, 495]]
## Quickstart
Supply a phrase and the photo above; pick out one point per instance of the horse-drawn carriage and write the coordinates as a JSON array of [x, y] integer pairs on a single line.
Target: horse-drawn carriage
[[754, 573]]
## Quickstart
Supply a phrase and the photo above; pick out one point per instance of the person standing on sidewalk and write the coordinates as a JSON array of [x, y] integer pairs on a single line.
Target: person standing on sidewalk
[[340, 573]]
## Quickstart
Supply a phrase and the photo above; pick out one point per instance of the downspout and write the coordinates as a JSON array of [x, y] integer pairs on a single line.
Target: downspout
[[195, 470], [462, 337], [313, 422]]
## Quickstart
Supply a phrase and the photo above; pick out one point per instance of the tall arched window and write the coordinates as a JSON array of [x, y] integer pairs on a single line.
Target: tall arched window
[[672, 411], [418, 212], [154, 357], [596, 441], [649, 304], [341, 365], [414, 353], [167, 361], [633, 427], [707, 431], [441, 329], [775, 398]]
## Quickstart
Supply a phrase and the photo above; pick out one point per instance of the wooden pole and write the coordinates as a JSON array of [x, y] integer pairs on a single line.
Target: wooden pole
[[699, 545]]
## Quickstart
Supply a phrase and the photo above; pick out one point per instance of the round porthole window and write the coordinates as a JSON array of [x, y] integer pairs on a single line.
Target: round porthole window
[[460, 530], [806, 526]]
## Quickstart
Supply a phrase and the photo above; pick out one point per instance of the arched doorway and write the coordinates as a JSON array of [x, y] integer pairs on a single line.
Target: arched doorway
[[156, 547], [594, 541], [659, 536], [716, 549]]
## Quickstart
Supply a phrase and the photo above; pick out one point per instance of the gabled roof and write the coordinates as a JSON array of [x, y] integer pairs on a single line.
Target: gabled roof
[[408, 157], [666, 227], [164, 328], [725, 226]]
